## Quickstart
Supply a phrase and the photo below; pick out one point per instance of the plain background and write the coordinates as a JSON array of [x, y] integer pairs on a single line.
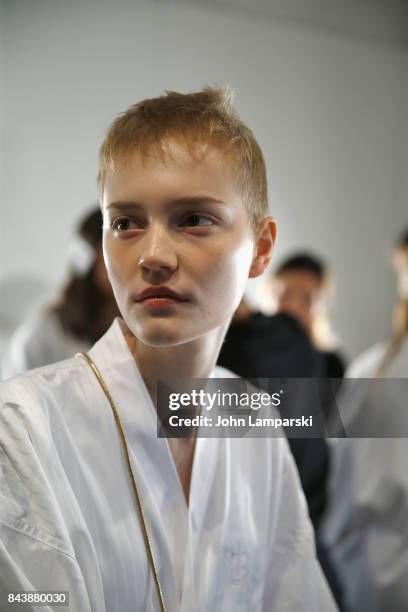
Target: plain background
[[322, 83]]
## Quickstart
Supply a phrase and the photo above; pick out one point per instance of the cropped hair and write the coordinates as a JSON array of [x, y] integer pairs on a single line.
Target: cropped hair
[[205, 117]]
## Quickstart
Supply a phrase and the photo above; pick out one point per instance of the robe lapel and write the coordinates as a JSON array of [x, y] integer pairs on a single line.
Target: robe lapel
[[154, 470], [175, 530]]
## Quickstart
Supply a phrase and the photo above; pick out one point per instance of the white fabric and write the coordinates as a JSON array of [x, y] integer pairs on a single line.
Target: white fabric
[[37, 342], [367, 364], [68, 519], [366, 522]]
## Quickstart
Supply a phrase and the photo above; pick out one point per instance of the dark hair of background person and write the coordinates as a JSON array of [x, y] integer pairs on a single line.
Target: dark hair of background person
[[304, 262], [82, 306]]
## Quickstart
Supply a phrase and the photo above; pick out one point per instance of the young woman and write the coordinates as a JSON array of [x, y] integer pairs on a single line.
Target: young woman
[[92, 501], [368, 491]]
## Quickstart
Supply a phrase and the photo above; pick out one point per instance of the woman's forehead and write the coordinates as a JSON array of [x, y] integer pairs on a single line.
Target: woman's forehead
[[179, 174], [182, 152]]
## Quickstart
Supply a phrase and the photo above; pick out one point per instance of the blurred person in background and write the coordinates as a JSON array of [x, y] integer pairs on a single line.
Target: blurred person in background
[[258, 346], [81, 315], [390, 357], [301, 287], [366, 523]]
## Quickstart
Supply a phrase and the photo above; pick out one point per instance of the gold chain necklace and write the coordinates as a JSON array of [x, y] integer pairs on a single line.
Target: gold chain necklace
[[146, 537]]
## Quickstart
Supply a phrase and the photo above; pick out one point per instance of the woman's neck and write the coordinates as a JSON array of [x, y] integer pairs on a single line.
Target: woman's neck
[[195, 359]]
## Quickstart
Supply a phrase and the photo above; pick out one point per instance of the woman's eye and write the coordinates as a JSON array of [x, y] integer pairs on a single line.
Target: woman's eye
[[197, 221], [124, 224]]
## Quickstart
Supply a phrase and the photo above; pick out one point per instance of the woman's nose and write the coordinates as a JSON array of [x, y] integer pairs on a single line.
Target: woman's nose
[[158, 255]]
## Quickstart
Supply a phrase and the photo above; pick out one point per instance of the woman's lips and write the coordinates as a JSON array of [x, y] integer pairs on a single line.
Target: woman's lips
[[158, 302], [159, 297]]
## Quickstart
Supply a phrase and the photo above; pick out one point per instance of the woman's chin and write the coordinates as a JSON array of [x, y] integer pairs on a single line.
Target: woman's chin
[[161, 336]]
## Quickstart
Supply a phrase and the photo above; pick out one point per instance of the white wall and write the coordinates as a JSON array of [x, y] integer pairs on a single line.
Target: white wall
[[327, 106]]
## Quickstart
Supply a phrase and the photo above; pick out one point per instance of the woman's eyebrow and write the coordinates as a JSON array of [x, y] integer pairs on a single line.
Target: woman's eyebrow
[[192, 200], [128, 205], [183, 201]]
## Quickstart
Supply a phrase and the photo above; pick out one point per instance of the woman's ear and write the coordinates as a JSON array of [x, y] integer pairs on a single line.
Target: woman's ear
[[265, 240]]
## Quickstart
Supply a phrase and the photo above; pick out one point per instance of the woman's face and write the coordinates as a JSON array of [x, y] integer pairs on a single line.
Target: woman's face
[[100, 275], [177, 244]]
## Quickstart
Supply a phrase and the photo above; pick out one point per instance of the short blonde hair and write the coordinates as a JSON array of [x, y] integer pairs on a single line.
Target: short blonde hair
[[203, 117]]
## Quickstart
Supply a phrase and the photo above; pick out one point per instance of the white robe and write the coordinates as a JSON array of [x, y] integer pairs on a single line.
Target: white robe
[[365, 526], [68, 519]]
